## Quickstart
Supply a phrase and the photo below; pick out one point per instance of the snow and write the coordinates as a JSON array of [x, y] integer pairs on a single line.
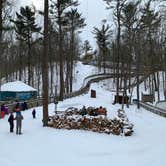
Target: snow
[[39, 146], [16, 86], [82, 71], [161, 104]]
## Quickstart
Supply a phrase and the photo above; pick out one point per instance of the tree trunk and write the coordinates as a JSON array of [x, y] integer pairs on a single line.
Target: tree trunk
[[60, 58], [118, 48], [158, 85], [29, 62], [45, 65], [71, 60], [20, 61], [1, 1]]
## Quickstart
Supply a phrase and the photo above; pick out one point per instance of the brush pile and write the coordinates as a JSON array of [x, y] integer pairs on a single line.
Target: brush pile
[[73, 119]]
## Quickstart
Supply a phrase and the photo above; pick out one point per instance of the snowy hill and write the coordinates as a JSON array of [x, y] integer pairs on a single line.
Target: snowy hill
[[40, 146]]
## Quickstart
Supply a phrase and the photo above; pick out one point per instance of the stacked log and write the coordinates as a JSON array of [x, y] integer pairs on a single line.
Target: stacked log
[[101, 124], [127, 126]]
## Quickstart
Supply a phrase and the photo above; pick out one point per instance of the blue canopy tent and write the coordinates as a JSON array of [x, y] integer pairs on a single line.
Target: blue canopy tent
[[17, 90]]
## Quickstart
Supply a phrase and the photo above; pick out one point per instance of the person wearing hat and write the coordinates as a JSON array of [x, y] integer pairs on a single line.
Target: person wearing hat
[[18, 119]]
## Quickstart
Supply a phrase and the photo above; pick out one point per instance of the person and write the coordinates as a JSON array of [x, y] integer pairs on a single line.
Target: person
[[24, 106], [3, 109], [101, 111], [18, 119], [2, 114], [17, 108], [34, 113], [17, 105], [83, 111], [11, 122], [7, 110]]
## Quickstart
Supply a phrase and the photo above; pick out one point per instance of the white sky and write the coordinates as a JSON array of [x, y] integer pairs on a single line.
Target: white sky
[[93, 10]]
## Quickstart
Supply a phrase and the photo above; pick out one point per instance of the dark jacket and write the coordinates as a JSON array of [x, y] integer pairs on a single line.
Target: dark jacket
[[11, 118], [33, 112]]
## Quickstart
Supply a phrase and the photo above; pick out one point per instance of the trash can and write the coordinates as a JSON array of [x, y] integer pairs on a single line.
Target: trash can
[[93, 94]]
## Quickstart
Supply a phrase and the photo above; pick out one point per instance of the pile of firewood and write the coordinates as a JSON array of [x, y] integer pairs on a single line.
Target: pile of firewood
[[127, 126], [72, 119]]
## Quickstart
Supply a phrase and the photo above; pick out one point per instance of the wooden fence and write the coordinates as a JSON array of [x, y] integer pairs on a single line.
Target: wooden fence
[[83, 90]]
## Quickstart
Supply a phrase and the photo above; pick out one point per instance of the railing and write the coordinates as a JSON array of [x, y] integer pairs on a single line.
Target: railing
[[161, 101], [153, 109], [30, 104], [84, 89], [86, 84]]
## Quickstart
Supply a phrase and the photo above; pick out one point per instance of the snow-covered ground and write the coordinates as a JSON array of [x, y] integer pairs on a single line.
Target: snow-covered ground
[[82, 71], [40, 146], [161, 105]]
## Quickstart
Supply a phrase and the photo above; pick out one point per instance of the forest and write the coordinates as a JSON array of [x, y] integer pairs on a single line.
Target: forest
[[44, 55]]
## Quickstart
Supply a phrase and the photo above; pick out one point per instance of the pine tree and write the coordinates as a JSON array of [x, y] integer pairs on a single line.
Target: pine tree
[[117, 5], [129, 20], [1, 2], [103, 40], [86, 47], [25, 27], [74, 21], [5, 14], [58, 9]]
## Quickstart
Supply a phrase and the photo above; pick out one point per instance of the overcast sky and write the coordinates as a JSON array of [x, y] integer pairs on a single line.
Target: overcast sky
[[93, 10]]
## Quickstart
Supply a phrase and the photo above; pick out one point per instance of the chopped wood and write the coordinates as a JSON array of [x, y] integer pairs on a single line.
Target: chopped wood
[[72, 119]]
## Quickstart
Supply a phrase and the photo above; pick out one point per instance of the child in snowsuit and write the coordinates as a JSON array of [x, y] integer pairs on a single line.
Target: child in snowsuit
[[11, 122], [18, 119], [34, 113]]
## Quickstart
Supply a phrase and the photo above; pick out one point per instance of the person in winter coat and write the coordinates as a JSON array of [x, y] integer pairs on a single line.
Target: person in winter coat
[[11, 122], [102, 111], [83, 111], [2, 113], [18, 119], [34, 113], [3, 107], [24, 106]]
